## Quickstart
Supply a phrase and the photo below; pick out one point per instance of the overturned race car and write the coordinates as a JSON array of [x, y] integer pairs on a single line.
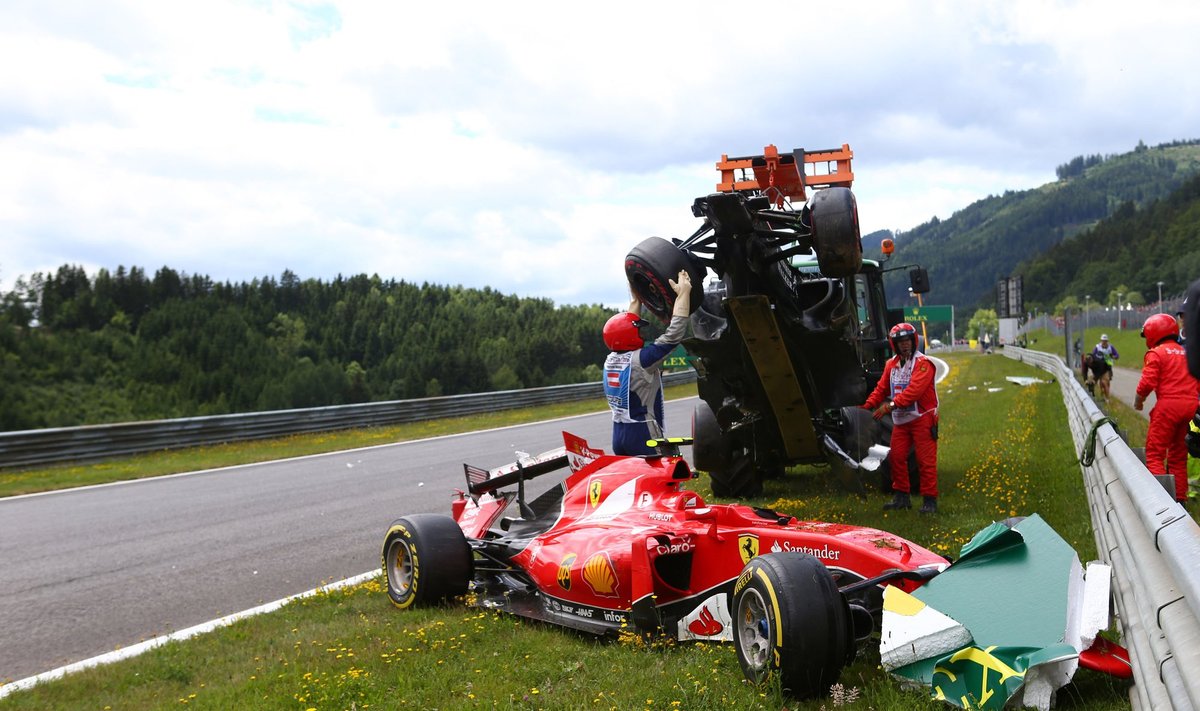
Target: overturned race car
[[622, 545]]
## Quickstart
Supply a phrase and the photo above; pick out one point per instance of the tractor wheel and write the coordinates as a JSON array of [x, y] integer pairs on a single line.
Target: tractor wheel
[[790, 620], [710, 447], [426, 558], [835, 230], [739, 480], [652, 265]]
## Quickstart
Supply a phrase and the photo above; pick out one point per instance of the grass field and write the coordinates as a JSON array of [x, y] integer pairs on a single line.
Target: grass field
[[1004, 451], [1130, 346]]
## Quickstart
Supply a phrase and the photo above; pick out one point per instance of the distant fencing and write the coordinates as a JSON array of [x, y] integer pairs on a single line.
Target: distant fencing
[[1153, 546], [95, 442]]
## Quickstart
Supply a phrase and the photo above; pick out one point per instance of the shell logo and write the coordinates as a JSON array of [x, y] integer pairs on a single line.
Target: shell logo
[[599, 574], [564, 571]]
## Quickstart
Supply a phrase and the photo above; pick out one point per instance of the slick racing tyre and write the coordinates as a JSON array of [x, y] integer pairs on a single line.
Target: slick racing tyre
[[790, 620], [426, 558], [836, 237], [651, 266]]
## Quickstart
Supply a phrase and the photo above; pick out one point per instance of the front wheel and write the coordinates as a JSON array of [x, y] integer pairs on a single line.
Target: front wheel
[[790, 619], [426, 558]]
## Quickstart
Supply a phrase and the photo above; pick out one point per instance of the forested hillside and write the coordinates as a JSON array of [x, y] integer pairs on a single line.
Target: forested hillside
[[967, 252], [123, 346], [1134, 248]]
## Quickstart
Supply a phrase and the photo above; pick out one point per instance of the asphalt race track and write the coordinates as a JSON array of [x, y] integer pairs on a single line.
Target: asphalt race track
[[85, 571]]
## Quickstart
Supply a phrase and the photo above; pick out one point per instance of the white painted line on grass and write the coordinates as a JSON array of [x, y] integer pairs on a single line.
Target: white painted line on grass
[[132, 651]]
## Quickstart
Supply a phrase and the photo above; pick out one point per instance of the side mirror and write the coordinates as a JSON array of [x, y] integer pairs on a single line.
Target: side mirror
[[918, 279]]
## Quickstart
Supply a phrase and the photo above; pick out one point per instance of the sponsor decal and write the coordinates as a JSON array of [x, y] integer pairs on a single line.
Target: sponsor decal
[[824, 552], [600, 575], [587, 612], [656, 516], [645, 500], [747, 547], [595, 488], [673, 548], [691, 503], [613, 377], [742, 581], [710, 620], [706, 625], [564, 571], [776, 548]]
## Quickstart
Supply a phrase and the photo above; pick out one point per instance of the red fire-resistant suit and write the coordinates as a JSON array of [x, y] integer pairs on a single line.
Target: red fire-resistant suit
[[1165, 373], [914, 417]]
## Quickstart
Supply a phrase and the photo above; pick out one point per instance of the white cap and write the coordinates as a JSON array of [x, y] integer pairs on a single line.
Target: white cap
[[1104, 336]]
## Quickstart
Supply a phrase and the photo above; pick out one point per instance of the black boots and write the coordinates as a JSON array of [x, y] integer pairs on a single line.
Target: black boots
[[900, 500]]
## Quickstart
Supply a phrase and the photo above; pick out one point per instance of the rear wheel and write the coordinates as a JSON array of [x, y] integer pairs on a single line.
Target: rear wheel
[[426, 558], [652, 265], [790, 620], [835, 230]]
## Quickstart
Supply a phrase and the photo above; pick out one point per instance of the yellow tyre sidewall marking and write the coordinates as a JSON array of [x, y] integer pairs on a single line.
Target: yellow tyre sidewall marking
[[762, 575], [412, 553]]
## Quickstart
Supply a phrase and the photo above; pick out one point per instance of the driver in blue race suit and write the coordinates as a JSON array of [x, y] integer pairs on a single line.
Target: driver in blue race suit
[[633, 371]]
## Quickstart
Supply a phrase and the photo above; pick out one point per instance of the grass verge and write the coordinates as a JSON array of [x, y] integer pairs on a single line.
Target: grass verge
[[1004, 450]]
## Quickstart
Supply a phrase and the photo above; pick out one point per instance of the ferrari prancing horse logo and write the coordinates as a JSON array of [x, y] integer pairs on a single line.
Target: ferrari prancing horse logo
[[594, 490], [747, 546]]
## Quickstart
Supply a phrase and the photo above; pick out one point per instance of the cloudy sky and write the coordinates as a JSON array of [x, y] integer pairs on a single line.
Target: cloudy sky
[[527, 146]]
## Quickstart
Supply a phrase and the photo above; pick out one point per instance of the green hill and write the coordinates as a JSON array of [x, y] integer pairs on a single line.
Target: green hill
[[987, 240]]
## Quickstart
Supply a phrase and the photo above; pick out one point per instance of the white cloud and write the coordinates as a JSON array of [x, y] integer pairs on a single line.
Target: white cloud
[[528, 147]]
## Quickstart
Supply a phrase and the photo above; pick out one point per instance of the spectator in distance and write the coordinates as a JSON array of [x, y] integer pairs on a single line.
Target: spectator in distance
[[1104, 356], [633, 371]]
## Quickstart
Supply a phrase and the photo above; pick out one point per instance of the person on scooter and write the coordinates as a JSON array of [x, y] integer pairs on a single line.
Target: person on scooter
[[1165, 373], [633, 371], [906, 391]]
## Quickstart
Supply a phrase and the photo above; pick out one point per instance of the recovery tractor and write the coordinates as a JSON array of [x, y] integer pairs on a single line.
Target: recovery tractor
[[790, 332]]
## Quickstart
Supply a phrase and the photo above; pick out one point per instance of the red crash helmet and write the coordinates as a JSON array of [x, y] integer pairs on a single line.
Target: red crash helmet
[[1159, 327], [621, 333], [899, 331]]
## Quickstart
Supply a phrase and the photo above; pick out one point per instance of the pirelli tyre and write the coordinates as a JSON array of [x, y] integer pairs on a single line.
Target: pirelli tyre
[[652, 265], [790, 621], [836, 236], [426, 559]]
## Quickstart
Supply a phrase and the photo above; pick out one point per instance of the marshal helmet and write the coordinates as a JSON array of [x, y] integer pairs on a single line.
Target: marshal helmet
[[622, 332]]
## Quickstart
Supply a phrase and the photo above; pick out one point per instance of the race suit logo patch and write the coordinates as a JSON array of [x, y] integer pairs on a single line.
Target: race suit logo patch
[[748, 547], [594, 490], [599, 574], [564, 571]]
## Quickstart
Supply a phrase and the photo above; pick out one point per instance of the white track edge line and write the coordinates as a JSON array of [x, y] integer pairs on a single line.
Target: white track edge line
[[136, 649]]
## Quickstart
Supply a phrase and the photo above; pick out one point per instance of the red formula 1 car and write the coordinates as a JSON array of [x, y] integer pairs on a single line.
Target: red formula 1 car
[[622, 545]]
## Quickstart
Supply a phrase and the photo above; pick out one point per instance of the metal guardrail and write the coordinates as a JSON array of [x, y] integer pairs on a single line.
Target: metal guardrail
[[1153, 546], [94, 442]]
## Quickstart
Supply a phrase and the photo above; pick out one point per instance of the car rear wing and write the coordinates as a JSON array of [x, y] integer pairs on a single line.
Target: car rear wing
[[481, 481], [781, 176]]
